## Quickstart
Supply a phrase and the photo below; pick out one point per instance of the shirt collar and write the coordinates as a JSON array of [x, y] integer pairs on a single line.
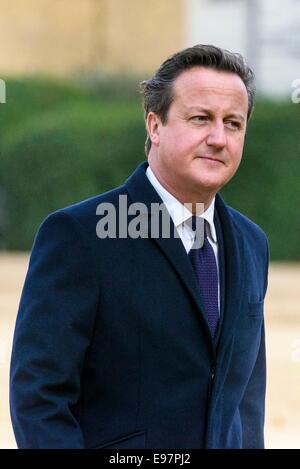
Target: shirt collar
[[178, 212]]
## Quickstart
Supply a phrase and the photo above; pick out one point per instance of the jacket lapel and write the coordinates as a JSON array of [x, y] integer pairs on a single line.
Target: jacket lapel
[[232, 278], [221, 262], [232, 286], [141, 190]]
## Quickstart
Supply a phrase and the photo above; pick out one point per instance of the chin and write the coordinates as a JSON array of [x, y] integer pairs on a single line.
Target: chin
[[209, 183]]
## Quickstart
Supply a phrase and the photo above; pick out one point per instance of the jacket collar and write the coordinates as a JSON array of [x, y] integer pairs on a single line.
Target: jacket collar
[[141, 190], [178, 211]]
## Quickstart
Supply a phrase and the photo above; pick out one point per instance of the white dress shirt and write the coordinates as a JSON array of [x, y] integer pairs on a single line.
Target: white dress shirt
[[180, 214]]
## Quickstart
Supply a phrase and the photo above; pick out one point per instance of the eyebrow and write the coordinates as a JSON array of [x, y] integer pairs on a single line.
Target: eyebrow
[[208, 111]]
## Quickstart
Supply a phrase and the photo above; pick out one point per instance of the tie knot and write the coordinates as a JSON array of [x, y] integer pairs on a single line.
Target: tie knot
[[198, 223]]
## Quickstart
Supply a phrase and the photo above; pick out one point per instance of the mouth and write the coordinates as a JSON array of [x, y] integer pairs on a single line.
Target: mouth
[[212, 160]]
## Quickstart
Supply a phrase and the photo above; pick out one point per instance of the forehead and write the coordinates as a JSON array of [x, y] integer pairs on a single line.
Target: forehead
[[200, 85]]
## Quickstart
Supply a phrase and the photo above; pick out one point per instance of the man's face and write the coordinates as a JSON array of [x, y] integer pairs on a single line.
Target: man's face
[[199, 148]]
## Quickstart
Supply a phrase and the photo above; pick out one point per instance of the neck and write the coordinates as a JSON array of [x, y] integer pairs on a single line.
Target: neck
[[193, 201]]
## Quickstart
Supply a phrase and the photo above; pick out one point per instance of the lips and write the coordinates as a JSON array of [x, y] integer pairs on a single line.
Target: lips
[[211, 159]]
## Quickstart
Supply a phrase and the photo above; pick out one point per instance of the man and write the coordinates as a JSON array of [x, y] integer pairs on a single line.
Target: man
[[152, 342]]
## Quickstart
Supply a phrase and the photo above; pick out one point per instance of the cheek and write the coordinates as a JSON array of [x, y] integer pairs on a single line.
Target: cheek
[[236, 150], [181, 143]]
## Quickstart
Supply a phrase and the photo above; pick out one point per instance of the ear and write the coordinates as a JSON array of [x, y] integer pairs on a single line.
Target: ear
[[153, 124]]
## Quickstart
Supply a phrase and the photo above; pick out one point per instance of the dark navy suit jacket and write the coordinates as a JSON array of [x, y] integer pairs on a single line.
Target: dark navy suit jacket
[[111, 346]]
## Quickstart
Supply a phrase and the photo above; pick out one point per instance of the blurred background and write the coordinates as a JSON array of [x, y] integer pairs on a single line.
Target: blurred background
[[71, 126]]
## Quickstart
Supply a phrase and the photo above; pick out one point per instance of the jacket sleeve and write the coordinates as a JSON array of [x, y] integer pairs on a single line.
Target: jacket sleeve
[[53, 330], [252, 406]]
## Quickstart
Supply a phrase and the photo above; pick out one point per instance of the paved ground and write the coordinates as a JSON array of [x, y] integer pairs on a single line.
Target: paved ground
[[283, 349]]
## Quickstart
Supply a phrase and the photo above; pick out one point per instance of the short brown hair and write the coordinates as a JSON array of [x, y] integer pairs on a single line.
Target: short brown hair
[[158, 90]]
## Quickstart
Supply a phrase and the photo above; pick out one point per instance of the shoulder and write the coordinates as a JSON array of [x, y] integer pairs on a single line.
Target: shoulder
[[88, 207], [256, 245], [254, 238], [82, 216], [246, 227]]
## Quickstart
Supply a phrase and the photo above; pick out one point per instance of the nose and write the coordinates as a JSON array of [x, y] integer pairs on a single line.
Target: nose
[[217, 136]]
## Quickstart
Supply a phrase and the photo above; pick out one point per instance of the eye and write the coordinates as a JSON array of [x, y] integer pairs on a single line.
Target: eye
[[233, 124], [199, 118]]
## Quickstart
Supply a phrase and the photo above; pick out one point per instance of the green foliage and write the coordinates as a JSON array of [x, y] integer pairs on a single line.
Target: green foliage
[[25, 97], [266, 187], [69, 149], [62, 143]]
